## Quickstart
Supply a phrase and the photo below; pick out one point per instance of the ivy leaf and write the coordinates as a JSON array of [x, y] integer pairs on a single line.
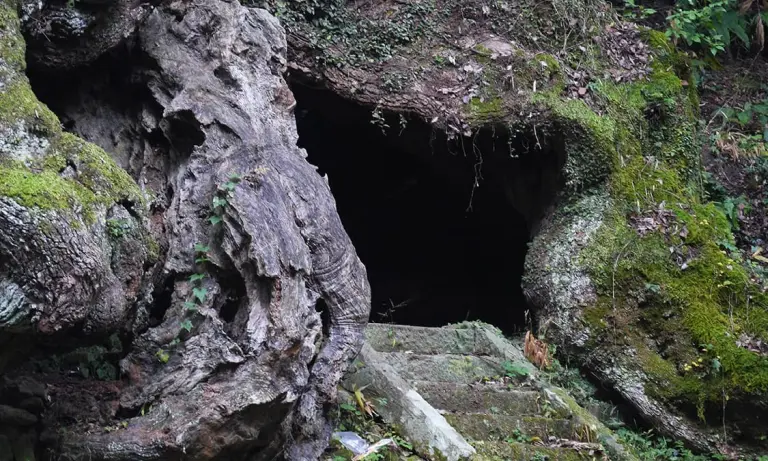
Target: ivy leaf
[[215, 219], [716, 365], [744, 116], [200, 248], [196, 277], [728, 112], [348, 407], [230, 186], [162, 356], [186, 325], [199, 293], [760, 108], [219, 202], [190, 306], [201, 260], [653, 288]]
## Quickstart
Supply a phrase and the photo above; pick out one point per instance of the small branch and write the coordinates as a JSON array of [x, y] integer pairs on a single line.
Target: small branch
[[613, 275]]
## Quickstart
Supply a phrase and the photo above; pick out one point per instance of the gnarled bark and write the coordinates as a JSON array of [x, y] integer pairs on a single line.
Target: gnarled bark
[[249, 371]]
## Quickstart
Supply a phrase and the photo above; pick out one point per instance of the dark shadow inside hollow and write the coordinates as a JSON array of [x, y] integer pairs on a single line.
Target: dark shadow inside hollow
[[441, 225]]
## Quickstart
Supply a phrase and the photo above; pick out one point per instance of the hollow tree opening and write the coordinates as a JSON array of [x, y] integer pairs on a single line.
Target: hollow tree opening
[[442, 225]]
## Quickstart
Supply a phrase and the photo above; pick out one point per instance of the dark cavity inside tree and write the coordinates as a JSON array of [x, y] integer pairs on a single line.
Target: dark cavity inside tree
[[441, 224]]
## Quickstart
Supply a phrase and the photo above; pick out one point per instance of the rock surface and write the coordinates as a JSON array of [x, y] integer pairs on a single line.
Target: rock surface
[[628, 272], [445, 387], [406, 409]]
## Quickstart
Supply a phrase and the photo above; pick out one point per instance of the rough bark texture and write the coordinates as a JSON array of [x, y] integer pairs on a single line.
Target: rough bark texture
[[250, 371]]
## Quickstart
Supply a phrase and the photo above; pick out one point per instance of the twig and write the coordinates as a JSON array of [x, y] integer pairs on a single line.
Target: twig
[[613, 275]]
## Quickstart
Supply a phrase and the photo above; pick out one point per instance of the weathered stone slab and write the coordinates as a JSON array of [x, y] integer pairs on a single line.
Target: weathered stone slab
[[484, 426], [450, 368], [427, 429], [505, 450], [477, 398], [425, 340]]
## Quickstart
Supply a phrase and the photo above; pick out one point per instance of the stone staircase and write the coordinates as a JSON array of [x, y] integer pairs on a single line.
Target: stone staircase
[[483, 387]]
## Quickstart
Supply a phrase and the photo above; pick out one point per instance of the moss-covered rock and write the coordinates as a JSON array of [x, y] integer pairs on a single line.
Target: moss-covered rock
[[629, 272], [664, 302]]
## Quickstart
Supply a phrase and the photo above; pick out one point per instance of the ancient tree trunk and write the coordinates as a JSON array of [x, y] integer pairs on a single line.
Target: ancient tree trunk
[[228, 358]]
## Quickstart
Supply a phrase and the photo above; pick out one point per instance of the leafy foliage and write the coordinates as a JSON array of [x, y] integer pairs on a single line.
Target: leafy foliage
[[713, 25], [117, 228], [733, 207], [648, 446], [220, 201], [518, 436], [367, 40], [633, 10], [747, 127], [514, 370], [199, 293], [162, 356]]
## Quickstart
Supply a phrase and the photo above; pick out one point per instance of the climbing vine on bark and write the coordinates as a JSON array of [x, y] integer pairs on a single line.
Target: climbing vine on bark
[[224, 193]]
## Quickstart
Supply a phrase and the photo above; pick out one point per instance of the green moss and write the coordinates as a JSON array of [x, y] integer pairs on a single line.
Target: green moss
[[592, 426], [645, 142], [98, 180], [153, 249], [97, 171], [19, 103], [549, 63], [712, 301], [589, 139], [11, 44], [659, 41], [483, 54], [486, 109], [594, 316], [44, 190]]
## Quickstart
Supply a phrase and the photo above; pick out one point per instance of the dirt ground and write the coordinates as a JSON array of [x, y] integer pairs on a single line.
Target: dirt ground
[[734, 153]]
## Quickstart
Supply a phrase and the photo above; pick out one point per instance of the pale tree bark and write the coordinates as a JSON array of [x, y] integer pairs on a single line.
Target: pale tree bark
[[250, 370]]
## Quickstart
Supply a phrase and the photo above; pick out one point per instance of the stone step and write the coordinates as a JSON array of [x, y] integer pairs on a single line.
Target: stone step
[[450, 368], [426, 340], [503, 451], [479, 398], [483, 426]]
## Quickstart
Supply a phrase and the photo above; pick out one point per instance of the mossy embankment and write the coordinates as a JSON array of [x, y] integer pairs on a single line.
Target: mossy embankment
[[642, 270], [667, 285]]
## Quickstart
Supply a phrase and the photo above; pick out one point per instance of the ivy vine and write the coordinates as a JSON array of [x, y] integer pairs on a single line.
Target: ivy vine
[[221, 199]]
